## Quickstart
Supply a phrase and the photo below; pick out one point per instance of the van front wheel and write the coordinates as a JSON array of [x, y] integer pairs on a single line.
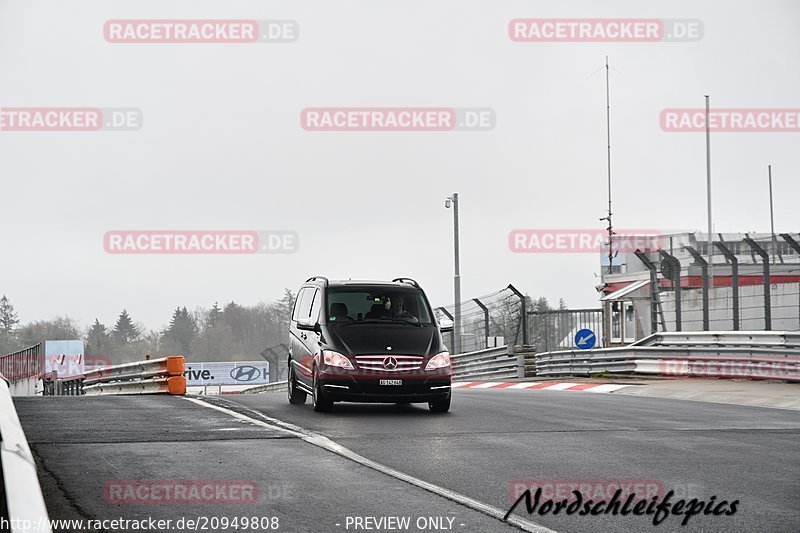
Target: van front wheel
[[322, 403], [440, 406], [296, 396]]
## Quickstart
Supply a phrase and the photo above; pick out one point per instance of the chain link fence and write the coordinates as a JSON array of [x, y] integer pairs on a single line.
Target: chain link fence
[[491, 320]]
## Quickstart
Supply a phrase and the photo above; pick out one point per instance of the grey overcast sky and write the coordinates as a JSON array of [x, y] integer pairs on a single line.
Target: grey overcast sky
[[222, 147]]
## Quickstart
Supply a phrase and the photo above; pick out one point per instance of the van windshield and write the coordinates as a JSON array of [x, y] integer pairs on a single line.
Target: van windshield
[[377, 305]]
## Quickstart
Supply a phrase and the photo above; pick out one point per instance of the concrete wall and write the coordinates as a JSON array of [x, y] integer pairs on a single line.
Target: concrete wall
[[26, 387]]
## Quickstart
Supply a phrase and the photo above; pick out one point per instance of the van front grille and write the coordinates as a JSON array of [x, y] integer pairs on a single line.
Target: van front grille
[[384, 363]]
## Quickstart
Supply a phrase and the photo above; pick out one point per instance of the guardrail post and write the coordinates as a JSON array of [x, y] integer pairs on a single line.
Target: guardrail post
[[521, 365], [796, 247], [485, 320], [730, 256], [653, 289], [767, 299], [674, 269], [524, 314], [704, 269]]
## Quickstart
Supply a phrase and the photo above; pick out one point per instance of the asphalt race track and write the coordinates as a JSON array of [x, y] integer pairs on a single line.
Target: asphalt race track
[[490, 444]]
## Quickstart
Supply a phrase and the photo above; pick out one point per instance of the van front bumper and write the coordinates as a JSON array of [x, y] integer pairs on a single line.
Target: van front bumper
[[370, 388]]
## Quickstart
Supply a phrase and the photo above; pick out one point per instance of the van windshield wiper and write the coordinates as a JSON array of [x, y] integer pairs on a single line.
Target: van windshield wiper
[[379, 321]]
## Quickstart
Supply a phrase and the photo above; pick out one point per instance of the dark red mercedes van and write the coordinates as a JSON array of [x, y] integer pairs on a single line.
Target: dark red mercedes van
[[367, 341]]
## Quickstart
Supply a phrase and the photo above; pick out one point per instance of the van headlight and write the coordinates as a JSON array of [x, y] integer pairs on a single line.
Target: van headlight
[[440, 360], [332, 358]]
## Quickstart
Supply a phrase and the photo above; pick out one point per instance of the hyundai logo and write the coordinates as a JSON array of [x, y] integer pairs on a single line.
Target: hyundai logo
[[390, 363], [245, 373]]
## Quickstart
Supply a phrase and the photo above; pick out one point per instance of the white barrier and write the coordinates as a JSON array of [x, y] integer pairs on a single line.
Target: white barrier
[[24, 499]]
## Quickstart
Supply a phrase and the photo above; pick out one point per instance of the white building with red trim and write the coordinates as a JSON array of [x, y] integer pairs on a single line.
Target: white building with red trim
[[639, 293]]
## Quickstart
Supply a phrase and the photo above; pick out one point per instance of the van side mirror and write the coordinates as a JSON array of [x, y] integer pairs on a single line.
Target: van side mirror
[[445, 325], [306, 324]]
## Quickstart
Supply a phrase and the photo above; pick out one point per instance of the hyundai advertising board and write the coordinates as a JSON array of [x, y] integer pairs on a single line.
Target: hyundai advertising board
[[227, 373]]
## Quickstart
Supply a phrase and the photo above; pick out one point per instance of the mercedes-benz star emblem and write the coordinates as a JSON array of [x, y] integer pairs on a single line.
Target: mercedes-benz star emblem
[[390, 363]]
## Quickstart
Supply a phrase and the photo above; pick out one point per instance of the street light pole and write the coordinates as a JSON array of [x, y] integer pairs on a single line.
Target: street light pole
[[710, 250], [456, 277], [772, 217]]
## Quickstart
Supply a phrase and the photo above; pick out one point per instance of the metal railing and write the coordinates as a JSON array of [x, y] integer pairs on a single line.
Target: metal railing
[[23, 369], [269, 387], [156, 376], [555, 329], [53, 386], [735, 354], [754, 339], [492, 363]]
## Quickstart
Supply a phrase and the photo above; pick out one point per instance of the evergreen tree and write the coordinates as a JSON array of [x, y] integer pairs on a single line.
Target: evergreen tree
[[285, 306], [181, 331], [214, 316], [125, 330], [8, 317], [98, 341]]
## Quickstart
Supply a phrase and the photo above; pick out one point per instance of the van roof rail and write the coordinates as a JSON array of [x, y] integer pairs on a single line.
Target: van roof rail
[[321, 278], [407, 280]]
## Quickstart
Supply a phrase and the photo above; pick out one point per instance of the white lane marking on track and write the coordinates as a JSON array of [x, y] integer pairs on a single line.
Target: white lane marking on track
[[560, 386], [325, 443], [607, 387], [521, 385]]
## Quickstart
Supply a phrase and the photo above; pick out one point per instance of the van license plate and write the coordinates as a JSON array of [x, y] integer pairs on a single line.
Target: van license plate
[[391, 382]]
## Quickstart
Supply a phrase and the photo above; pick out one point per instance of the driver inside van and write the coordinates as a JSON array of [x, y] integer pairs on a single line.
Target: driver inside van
[[398, 310]]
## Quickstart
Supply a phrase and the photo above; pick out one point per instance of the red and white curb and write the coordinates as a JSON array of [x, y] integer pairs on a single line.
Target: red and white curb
[[539, 385]]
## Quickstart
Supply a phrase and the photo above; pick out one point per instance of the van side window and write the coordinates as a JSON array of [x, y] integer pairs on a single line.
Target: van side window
[[305, 303], [297, 301]]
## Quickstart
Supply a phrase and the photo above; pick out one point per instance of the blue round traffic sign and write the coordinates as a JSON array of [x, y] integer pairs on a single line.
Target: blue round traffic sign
[[585, 339]]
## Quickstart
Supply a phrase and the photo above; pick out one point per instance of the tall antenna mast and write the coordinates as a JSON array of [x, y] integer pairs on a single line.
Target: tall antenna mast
[[608, 138]]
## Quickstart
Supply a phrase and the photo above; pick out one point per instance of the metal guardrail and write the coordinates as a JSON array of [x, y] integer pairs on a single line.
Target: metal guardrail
[[736, 354], [23, 494], [269, 387], [156, 376], [765, 339], [492, 363]]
